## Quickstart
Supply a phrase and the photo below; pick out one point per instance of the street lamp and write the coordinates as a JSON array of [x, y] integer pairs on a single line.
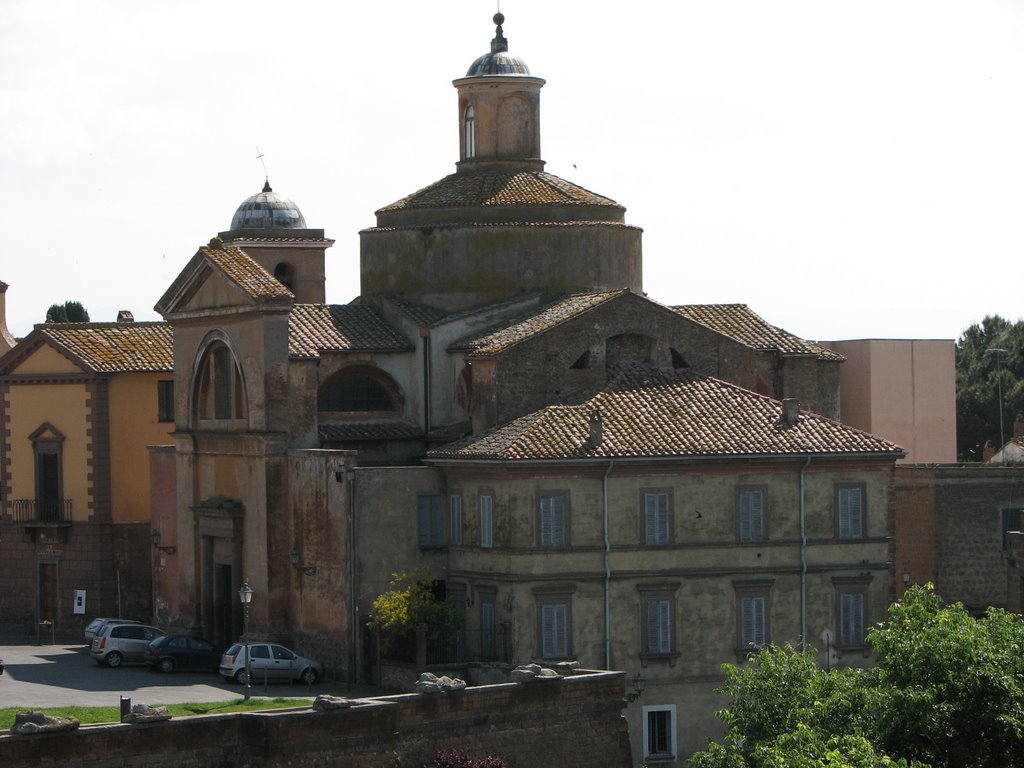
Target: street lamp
[[245, 595]]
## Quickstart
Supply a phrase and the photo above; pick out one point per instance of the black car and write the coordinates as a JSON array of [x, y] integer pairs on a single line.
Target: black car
[[173, 652]]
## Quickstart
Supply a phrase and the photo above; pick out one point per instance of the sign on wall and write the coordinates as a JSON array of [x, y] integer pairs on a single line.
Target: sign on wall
[[79, 601]]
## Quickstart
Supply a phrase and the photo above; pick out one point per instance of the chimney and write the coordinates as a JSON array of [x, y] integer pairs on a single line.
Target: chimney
[[6, 339], [125, 316], [1018, 425], [596, 429], [790, 411]]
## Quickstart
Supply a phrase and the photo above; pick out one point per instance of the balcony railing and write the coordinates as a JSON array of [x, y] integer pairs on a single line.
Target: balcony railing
[[40, 511]]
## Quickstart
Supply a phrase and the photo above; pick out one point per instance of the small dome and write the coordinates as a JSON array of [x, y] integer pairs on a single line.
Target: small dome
[[499, 61], [268, 210]]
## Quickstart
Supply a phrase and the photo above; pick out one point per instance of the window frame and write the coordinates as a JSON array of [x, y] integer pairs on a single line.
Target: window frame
[[840, 488], [456, 518], [645, 494], [566, 517], [165, 401], [660, 711], [430, 530], [743, 492], [857, 586], [661, 597], [550, 597], [753, 590], [486, 519], [221, 398], [469, 132]]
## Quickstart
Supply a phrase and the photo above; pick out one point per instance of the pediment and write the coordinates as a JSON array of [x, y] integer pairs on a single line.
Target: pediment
[[222, 279], [37, 356]]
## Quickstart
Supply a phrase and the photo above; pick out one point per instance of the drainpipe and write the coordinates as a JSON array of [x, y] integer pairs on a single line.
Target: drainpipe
[[353, 615], [803, 560], [425, 335], [607, 573]]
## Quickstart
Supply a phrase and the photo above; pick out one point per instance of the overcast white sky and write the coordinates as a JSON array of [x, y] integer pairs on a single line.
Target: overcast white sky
[[848, 168]]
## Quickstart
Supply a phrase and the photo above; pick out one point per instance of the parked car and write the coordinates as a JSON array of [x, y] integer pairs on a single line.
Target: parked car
[[116, 644], [269, 662], [94, 626], [182, 652]]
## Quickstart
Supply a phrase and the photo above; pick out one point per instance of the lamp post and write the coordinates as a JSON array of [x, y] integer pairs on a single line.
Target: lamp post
[[245, 595]]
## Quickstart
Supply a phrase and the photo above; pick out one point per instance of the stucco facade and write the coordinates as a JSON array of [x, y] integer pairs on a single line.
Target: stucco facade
[[79, 404]]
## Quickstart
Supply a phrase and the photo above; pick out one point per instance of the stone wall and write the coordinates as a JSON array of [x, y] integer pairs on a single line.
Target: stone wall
[[957, 510], [575, 722]]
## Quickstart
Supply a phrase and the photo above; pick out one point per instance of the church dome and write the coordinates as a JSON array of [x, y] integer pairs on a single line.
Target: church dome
[[499, 61], [268, 210]]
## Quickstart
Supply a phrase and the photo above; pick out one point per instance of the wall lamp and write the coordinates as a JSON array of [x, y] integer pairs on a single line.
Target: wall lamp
[[155, 536], [639, 683], [293, 558]]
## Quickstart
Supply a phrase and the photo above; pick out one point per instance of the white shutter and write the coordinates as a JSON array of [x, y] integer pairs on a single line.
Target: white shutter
[[851, 513], [554, 631], [851, 618], [753, 621], [486, 522]]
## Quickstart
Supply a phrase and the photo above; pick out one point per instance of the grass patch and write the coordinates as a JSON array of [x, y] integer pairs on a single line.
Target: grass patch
[[87, 715]]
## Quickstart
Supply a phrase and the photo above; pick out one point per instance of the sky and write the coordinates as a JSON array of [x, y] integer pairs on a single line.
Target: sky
[[847, 168]]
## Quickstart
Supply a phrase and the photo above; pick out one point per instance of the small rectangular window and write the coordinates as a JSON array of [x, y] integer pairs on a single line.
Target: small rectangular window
[[552, 521], [554, 630], [165, 400], [850, 511], [658, 619], [486, 521], [851, 619], [455, 522], [751, 514], [429, 520], [656, 518], [659, 732], [753, 610]]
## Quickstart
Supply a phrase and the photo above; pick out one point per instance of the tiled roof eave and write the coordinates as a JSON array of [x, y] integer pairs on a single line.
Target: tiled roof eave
[[343, 350], [524, 224], [442, 458]]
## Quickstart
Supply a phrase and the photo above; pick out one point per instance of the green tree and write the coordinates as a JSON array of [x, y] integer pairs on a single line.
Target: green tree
[[947, 690], [68, 312], [409, 602], [989, 354]]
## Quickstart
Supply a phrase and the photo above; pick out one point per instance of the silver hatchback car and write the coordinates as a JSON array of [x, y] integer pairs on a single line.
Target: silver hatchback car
[[269, 662], [117, 644]]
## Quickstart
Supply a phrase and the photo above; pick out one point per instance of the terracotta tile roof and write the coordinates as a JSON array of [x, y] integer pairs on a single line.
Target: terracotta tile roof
[[423, 315], [496, 224], [650, 412], [315, 328], [345, 431], [739, 322], [538, 321], [499, 187], [115, 347], [250, 276]]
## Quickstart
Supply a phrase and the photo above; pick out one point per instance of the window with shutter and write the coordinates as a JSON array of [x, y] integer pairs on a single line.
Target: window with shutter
[[659, 625], [656, 517], [752, 622], [751, 514], [429, 521], [851, 618], [455, 510], [850, 511], [554, 630], [552, 522], [488, 627], [486, 521]]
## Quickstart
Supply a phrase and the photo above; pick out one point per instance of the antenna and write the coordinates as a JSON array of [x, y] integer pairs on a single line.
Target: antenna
[[259, 156]]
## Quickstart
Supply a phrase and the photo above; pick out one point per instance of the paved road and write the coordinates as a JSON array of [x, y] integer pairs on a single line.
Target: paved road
[[60, 675]]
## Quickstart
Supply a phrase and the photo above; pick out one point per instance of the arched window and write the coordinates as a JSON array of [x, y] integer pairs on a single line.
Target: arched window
[[470, 125], [359, 390], [221, 394], [284, 274]]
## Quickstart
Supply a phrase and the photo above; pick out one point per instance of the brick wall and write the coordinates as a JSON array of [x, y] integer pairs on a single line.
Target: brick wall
[[572, 723], [956, 512]]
